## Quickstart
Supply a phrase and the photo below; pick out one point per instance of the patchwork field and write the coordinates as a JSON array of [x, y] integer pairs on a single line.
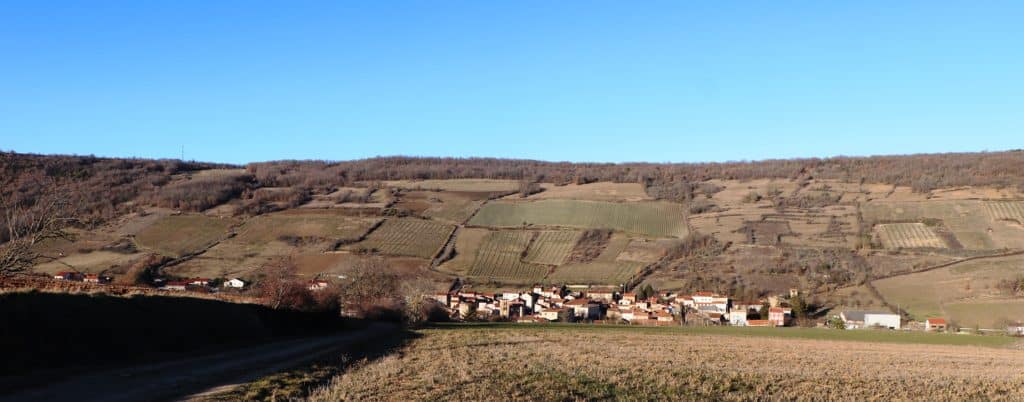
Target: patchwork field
[[596, 273], [408, 236], [551, 247], [556, 362], [500, 257], [467, 243], [175, 236], [971, 222], [927, 294], [1009, 210], [451, 207], [659, 219], [908, 235]]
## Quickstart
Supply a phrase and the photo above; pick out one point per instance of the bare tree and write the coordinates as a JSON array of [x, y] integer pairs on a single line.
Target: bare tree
[[280, 288], [26, 225]]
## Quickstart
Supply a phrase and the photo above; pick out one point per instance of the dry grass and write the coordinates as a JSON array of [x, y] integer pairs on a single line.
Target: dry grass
[[175, 236], [467, 242], [320, 224], [601, 191], [596, 272], [409, 237], [470, 185], [552, 363], [908, 235]]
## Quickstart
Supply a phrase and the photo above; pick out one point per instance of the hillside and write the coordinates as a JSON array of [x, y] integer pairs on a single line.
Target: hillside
[[849, 232]]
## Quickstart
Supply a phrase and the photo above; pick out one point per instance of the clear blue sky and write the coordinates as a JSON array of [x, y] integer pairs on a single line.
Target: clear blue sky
[[554, 80]]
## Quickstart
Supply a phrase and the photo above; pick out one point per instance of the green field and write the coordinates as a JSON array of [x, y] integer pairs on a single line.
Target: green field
[[264, 229], [660, 219], [596, 272], [551, 247], [500, 257], [408, 237], [175, 236]]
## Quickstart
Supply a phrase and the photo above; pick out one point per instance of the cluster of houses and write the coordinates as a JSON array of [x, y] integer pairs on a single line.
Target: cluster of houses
[[598, 304], [80, 277]]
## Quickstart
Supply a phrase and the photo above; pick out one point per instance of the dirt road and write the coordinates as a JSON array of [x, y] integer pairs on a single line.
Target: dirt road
[[182, 378]]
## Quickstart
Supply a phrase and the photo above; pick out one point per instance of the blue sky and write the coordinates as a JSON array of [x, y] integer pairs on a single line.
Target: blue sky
[[580, 81]]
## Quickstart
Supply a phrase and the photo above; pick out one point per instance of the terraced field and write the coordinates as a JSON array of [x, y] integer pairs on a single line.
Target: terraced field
[[500, 257], [596, 272], [409, 237], [175, 236], [970, 221], [551, 247], [659, 219], [908, 235]]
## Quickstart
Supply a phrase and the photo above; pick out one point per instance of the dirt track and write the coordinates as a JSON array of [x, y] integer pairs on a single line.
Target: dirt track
[[183, 378]]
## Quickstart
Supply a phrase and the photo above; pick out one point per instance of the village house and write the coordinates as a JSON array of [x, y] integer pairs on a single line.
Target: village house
[[317, 285], [68, 276], [585, 309], [606, 295], [627, 298], [935, 324], [176, 285], [684, 301], [663, 316], [555, 314], [779, 316], [234, 283], [91, 278], [738, 317], [870, 319]]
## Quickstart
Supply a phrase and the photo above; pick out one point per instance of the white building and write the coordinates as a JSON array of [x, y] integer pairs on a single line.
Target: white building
[[870, 319], [738, 318], [234, 283]]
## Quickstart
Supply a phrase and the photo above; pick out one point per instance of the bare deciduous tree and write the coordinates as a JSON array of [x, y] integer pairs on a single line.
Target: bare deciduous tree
[[26, 225]]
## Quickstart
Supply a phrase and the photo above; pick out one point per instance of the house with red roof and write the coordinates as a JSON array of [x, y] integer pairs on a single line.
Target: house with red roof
[[935, 324]]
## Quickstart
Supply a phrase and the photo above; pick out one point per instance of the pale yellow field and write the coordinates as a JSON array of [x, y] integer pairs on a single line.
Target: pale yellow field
[[600, 191], [908, 235], [468, 185]]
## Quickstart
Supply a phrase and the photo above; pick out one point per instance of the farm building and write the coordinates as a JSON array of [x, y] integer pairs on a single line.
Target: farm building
[[234, 283], [779, 316], [1015, 330], [738, 317], [935, 324], [870, 319]]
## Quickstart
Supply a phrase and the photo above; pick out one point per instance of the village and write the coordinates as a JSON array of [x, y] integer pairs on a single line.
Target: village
[[603, 305]]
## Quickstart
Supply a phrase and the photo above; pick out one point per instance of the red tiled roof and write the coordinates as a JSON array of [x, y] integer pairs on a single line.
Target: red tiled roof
[[704, 294], [937, 321], [776, 310]]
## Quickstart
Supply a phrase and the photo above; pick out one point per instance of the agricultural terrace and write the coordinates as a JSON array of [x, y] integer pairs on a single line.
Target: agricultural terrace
[[176, 236], [600, 191], [908, 235], [500, 257], [467, 185], [559, 362], [552, 247], [928, 294], [409, 237], [307, 224], [596, 272], [970, 221], [659, 219]]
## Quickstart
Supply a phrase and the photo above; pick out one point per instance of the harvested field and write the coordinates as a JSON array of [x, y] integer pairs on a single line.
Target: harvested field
[[472, 185], [552, 247], [175, 236], [500, 257], [557, 362], [596, 273], [407, 236], [601, 191], [659, 219], [646, 251], [971, 222], [908, 235], [303, 224]]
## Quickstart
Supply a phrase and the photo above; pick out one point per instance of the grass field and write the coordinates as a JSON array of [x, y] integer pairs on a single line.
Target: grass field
[[1009, 210], [409, 237], [500, 257], [972, 222], [908, 235], [600, 191], [451, 208], [467, 242], [551, 247], [557, 362], [596, 272], [927, 294], [175, 236], [302, 223], [659, 219]]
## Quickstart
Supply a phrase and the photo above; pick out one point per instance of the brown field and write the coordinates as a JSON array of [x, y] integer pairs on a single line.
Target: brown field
[[643, 250], [175, 236], [971, 222], [93, 262], [616, 245], [658, 219], [926, 294], [410, 237], [600, 191], [551, 362], [908, 235], [451, 207]]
